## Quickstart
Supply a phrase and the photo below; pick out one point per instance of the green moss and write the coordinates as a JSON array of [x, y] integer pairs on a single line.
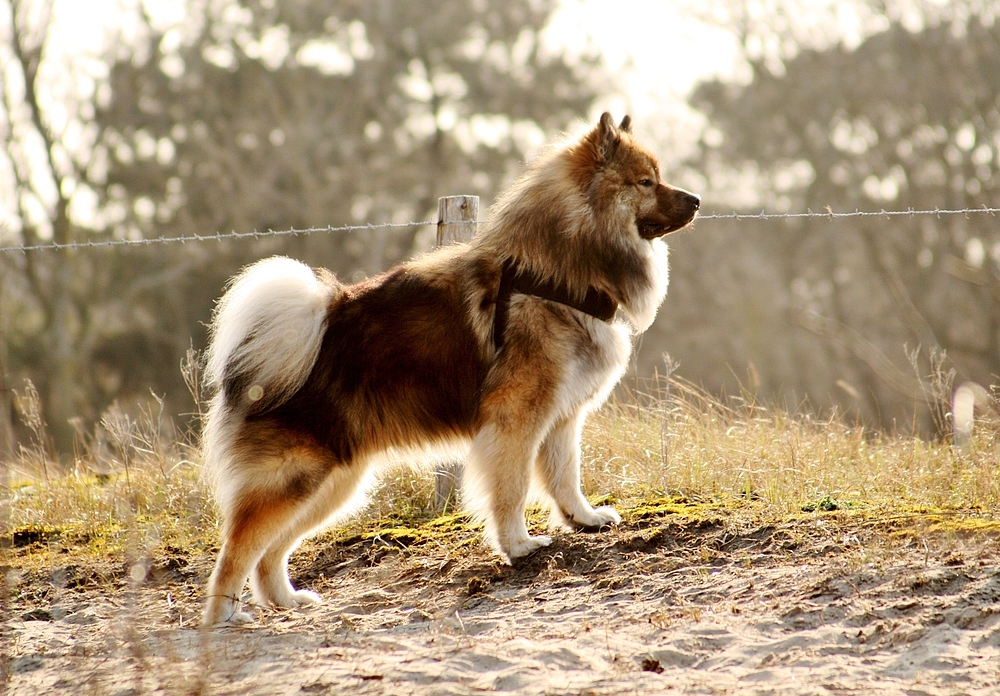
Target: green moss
[[660, 507], [968, 525], [405, 532], [944, 523], [452, 521], [827, 504], [31, 534]]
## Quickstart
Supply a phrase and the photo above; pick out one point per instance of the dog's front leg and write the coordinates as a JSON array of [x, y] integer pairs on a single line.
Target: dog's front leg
[[497, 478], [558, 469]]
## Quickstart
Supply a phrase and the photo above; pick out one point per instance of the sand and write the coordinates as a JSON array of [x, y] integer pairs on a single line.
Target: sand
[[827, 605]]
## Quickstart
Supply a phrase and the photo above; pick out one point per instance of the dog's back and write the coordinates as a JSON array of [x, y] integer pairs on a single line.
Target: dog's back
[[399, 365]]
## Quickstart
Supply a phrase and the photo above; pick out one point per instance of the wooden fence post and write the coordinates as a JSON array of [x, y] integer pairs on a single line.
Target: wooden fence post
[[457, 216]]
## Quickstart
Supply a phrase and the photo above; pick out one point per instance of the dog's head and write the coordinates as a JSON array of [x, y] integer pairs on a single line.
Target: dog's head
[[629, 175]]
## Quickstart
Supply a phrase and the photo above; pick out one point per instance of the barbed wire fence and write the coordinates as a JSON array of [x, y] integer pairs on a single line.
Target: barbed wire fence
[[227, 236]]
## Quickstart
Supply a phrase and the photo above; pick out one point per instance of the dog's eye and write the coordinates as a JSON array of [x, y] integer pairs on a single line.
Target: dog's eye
[[646, 182]]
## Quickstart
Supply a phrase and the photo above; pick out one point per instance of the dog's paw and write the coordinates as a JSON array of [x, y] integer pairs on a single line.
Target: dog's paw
[[525, 547], [596, 518], [240, 617], [222, 615], [286, 598], [608, 516], [301, 598], [276, 590]]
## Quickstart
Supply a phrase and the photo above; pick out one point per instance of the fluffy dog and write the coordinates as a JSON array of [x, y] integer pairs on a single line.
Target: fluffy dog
[[498, 348]]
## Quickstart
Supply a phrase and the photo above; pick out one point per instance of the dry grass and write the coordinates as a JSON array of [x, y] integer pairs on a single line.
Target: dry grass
[[689, 444], [134, 485]]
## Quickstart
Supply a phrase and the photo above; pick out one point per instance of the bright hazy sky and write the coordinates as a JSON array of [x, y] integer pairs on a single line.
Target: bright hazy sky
[[661, 52], [658, 48]]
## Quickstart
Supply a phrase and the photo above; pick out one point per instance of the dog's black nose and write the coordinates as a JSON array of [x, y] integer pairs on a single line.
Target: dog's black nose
[[694, 200]]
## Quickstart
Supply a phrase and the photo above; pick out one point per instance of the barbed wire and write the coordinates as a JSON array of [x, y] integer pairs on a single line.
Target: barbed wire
[[830, 214], [218, 237], [225, 236]]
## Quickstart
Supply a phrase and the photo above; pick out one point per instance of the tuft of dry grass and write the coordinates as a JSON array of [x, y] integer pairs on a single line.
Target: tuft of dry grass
[[134, 485]]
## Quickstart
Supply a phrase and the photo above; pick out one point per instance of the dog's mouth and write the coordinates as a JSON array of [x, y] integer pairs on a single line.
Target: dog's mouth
[[652, 229], [676, 209]]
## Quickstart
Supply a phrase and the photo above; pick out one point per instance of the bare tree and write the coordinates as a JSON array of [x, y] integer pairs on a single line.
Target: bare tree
[[44, 172]]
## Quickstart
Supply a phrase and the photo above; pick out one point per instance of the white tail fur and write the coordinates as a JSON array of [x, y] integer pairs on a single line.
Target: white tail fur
[[269, 326]]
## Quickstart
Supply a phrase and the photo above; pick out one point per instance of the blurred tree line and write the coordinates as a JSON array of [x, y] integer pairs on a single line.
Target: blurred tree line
[[831, 313], [248, 115], [257, 114]]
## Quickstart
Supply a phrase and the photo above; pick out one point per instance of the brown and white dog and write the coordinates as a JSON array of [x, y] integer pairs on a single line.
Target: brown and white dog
[[499, 347]]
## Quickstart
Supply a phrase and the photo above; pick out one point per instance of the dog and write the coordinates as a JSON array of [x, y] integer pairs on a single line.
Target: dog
[[498, 348]]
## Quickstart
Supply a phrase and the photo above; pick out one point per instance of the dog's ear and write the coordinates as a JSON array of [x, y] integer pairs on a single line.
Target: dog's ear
[[626, 124], [608, 137]]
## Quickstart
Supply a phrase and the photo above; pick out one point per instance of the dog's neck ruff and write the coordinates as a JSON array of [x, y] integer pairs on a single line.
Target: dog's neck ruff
[[596, 303]]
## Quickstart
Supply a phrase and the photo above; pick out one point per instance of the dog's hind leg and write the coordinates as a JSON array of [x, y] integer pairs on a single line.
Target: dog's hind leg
[[339, 493], [247, 531], [558, 470], [262, 498]]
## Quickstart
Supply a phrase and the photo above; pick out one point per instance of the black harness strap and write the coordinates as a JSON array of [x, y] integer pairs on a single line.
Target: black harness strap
[[596, 303]]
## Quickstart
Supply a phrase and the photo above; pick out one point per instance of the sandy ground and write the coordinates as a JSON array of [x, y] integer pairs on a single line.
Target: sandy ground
[[662, 605]]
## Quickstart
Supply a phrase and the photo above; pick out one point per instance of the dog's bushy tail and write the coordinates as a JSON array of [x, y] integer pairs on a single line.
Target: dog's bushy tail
[[266, 333]]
